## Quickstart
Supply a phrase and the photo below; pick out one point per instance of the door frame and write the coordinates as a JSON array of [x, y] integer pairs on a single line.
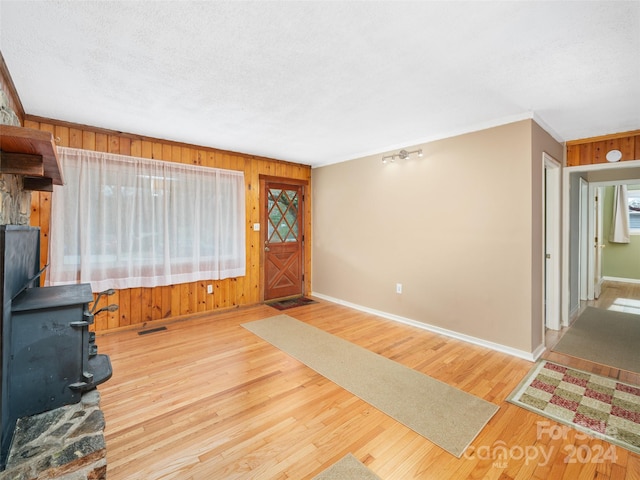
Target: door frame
[[264, 179], [551, 226], [594, 241], [595, 277], [583, 261], [566, 218]]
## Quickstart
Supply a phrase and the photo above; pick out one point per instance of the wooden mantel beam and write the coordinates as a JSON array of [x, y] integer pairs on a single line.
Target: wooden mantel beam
[[21, 164]]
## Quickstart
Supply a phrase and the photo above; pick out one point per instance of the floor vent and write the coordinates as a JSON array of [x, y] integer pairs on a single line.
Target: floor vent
[[151, 330]]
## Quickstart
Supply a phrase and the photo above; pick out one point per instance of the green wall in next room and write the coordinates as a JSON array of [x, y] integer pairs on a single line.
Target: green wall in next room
[[619, 260]]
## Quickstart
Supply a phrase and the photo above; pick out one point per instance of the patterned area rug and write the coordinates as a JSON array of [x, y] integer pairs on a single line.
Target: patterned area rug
[[602, 407], [291, 303]]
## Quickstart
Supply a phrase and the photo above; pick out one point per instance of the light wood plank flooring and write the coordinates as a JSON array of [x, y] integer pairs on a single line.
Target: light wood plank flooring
[[206, 399]]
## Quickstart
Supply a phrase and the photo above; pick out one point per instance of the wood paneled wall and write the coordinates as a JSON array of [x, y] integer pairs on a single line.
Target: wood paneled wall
[[139, 306], [594, 150]]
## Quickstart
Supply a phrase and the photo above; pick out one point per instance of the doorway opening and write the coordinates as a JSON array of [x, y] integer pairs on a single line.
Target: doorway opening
[[581, 222]]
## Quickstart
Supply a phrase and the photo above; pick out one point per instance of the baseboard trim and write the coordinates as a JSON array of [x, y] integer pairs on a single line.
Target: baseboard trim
[[573, 313], [537, 353], [531, 356], [621, 280]]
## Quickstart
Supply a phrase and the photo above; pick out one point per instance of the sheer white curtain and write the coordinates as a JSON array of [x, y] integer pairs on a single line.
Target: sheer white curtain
[[620, 221], [123, 222]]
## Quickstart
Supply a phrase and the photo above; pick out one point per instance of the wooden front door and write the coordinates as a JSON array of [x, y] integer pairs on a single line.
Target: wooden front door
[[283, 240]]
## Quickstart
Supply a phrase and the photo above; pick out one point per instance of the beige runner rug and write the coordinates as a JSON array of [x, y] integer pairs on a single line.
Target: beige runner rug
[[604, 336], [348, 468], [445, 415]]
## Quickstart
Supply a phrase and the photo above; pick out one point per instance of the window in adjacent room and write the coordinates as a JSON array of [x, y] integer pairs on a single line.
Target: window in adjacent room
[[633, 197]]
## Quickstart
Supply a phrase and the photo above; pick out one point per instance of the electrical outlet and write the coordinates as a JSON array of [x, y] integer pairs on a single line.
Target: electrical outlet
[[209, 288], [398, 288]]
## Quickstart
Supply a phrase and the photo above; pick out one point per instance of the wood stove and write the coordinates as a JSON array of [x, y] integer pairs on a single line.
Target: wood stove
[[49, 357]]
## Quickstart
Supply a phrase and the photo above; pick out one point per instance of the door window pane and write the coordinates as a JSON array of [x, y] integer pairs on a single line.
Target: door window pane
[[283, 216]]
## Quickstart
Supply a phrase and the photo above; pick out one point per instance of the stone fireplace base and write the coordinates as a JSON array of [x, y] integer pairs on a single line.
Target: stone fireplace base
[[64, 444]]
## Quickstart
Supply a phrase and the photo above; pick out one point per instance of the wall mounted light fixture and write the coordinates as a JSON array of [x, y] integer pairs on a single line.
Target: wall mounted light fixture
[[402, 154]]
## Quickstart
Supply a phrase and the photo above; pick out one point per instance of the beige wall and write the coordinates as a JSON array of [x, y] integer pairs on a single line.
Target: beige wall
[[455, 228], [541, 142]]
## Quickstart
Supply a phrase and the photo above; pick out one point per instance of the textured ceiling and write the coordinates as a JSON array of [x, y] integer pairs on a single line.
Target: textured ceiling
[[322, 82]]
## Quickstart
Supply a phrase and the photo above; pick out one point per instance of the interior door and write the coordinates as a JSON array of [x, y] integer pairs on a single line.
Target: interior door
[[599, 243], [584, 239], [283, 240], [595, 239], [552, 242]]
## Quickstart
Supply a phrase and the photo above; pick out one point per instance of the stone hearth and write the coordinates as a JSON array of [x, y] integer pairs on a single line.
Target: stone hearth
[[64, 444]]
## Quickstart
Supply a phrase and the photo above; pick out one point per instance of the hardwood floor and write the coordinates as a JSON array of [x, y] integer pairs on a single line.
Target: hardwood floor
[[206, 399]]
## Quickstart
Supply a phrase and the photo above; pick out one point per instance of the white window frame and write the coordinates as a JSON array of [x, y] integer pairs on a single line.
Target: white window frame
[[633, 195]]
